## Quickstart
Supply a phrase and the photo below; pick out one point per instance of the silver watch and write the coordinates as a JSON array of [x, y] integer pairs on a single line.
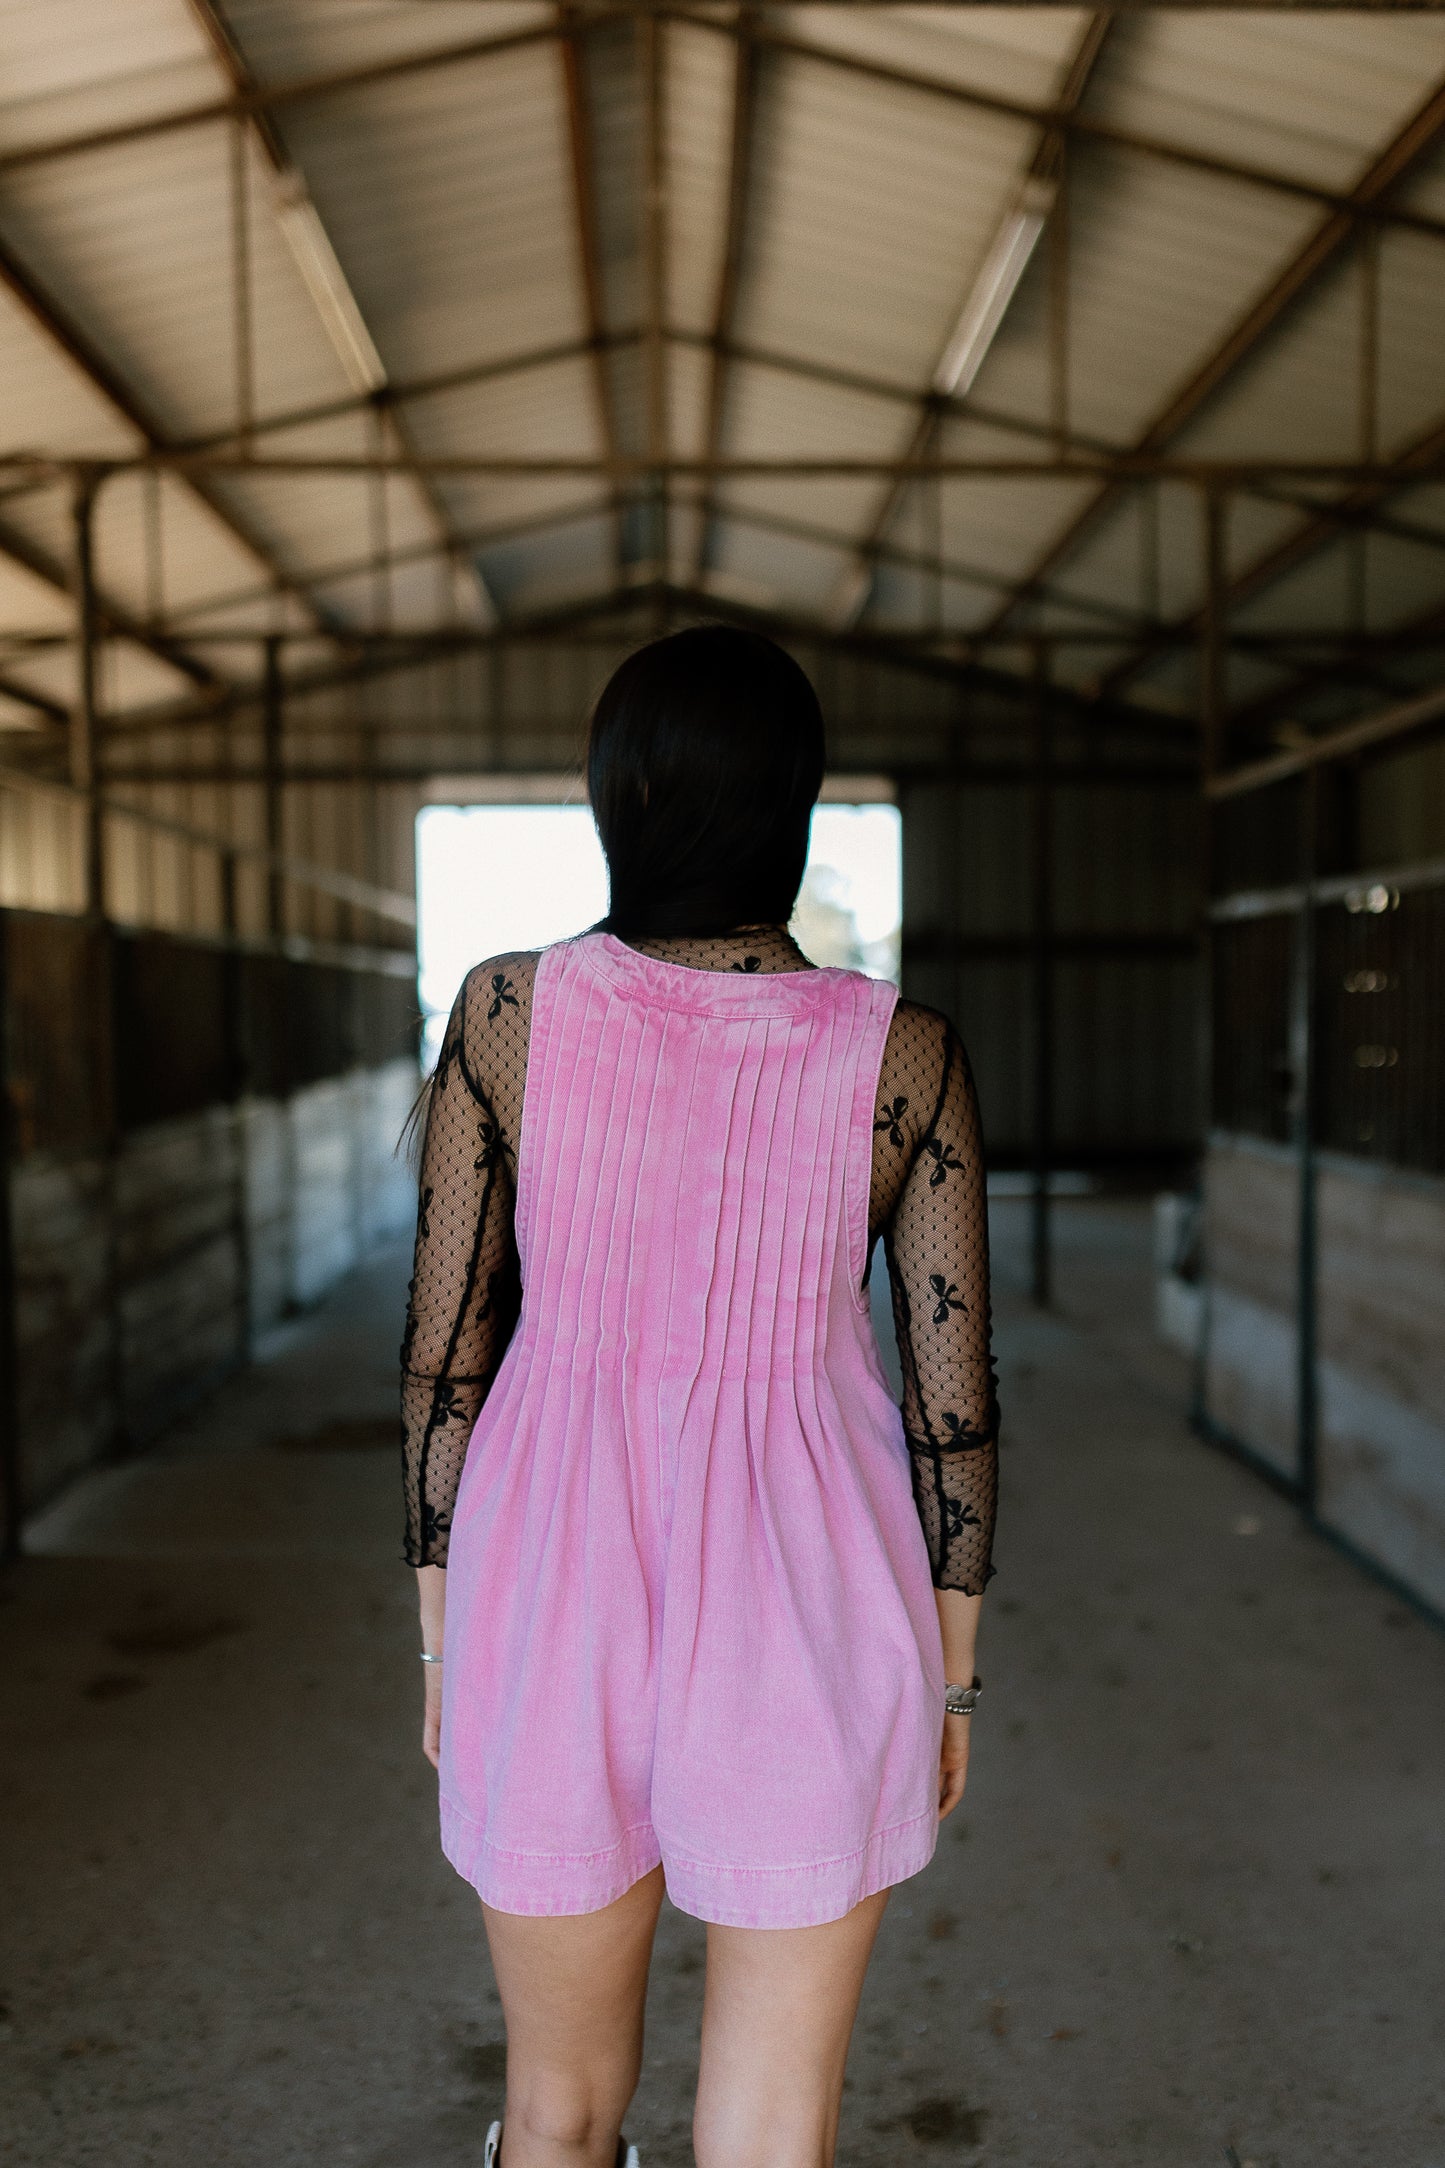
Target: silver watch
[[960, 1700]]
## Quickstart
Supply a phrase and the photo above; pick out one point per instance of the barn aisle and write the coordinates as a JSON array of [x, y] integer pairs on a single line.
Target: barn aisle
[[1177, 1922]]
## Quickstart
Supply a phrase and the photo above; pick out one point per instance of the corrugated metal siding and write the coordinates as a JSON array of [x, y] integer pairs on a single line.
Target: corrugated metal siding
[[70, 65], [1309, 93], [1126, 1069], [132, 241], [544, 410], [1011, 52], [770, 412], [1164, 260], [48, 403], [289, 40]]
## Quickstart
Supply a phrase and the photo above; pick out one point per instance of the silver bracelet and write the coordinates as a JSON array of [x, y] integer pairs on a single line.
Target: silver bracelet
[[428, 1658], [961, 1700]]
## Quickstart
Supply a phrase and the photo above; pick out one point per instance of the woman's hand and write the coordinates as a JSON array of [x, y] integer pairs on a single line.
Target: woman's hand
[[431, 1723], [953, 1763], [431, 1587], [958, 1627]]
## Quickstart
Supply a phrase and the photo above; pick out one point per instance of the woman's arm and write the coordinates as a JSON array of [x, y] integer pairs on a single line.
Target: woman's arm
[[462, 1309], [431, 1583], [937, 1248]]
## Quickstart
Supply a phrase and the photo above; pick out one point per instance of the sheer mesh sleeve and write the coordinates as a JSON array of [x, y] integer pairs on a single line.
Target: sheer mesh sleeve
[[930, 1206], [465, 1289]]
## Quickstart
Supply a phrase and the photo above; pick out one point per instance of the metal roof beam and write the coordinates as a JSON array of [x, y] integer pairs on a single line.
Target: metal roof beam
[[926, 659], [67, 336], [1181, 774], [1324, 524], [442, 639], [476, 538], [305, 89], [1287, 700], [1374, 731], [735, 351], [1080, 127], [1123, 624], [406, 390], [740, 159], [1331, 236], [262, 99], [569, 28], [113, 616], [1241, 473], [380, 658], [41, 704], [650, 37], [1020, 425]]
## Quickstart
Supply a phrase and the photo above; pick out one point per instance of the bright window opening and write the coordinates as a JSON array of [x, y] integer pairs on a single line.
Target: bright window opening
[[497, 877]]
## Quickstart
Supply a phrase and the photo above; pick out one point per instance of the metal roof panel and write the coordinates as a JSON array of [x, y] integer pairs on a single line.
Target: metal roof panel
[[447, 199], [875, 208]]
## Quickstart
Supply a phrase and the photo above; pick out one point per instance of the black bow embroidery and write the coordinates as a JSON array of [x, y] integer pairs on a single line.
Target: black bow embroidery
[[494, 1146], [946, 1297], [958, 1515], [946, 1161], [890, 1114]]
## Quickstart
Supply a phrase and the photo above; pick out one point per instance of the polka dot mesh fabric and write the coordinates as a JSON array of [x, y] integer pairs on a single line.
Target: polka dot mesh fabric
[[466, 1288], [927, 1207]]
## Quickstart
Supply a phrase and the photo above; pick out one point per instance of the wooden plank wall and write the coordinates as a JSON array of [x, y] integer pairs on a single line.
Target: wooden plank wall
[[1380, 1249], [188, 1166]]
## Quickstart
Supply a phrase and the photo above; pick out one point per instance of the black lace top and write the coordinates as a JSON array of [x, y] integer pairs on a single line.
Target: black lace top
[[927, 1206]]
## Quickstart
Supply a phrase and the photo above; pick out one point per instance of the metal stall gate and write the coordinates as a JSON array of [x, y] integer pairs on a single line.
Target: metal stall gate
[[1320, 1351]]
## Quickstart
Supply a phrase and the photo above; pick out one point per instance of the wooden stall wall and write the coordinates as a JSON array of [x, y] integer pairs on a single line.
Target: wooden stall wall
[[201, 1140], [1317, 1337]]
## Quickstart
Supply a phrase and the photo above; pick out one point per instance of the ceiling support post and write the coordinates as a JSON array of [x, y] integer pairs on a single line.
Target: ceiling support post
[[1041, 978], [85, 720], [719, 353], [570, 32], [1212, 656], [273, 720], [652, 56]]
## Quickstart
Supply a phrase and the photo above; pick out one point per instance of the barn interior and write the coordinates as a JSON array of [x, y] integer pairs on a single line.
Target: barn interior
[[1063, 388]]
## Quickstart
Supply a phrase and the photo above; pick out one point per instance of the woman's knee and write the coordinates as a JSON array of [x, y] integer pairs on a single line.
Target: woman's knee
[[566, 2105]]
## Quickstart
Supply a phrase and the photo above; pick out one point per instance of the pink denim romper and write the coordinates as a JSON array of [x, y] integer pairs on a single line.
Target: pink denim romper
[[689, 1611]]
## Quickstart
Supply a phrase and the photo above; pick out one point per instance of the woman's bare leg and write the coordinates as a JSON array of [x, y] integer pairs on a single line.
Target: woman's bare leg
[[572, 1994], [777, 2017]]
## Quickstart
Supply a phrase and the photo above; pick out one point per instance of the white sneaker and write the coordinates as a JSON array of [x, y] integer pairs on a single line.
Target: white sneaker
[[630, 2159]]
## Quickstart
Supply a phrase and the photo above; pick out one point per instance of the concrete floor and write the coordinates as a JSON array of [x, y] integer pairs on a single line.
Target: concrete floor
[[1189, 1914]]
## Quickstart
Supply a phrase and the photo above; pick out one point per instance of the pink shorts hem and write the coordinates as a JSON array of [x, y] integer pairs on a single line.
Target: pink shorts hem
[[545, 1884], [806, 1894]]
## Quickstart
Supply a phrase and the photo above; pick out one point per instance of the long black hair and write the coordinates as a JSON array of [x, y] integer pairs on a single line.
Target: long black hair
[[704, 760]]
